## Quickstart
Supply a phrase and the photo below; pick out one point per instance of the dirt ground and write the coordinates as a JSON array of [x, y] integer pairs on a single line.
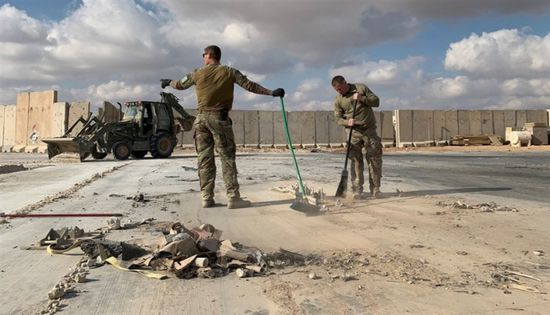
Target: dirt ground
[[408, 252]]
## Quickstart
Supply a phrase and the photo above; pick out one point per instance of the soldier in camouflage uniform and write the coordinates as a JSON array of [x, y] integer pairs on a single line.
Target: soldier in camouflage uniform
[[363, 132], [214, 85]]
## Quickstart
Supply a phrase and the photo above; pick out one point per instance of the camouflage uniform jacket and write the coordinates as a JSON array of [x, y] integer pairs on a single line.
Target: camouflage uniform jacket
[[214, 86], [364, 116]]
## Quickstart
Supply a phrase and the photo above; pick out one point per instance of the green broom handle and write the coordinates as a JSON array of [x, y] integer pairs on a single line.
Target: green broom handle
[[289, 141]]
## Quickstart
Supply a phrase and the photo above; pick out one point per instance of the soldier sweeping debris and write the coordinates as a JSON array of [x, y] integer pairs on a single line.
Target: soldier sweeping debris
[[213, 128], [362, 132]]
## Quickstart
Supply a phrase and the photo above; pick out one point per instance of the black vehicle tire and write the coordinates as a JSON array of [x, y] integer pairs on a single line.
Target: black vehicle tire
[[139, 154], [161, 145], [121, 150], [84, 155], [98, 155]]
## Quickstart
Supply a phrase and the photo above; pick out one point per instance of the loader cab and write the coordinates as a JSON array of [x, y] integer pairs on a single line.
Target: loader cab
[[133, 112], [142, 114]]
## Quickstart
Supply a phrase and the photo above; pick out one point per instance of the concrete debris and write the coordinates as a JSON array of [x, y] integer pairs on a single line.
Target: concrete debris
[[138, 198], [201, 262], [483, 207], [241, 273], [538, 252], [313, 276], [56, 292], [113, 223]]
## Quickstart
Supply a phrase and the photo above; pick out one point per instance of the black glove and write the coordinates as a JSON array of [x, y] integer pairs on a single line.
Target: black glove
[[278, 92], [165, 82]]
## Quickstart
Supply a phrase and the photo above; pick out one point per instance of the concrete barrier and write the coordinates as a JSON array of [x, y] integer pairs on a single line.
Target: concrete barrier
[[451, 123], [499, 123], [21, 121], [422, 127], [251, 129], [475, 122], [10, 112], [322, 121], [237, 117], [40, 106], [265, 127], [537, 116], [521, 118], [307, 129], [463, 122], [403, 127], [76, 111], [279, 138], [185, 139], [387, 132], [2, 118], [60, 113], [337, 134], [487, 122], [111, 113], [440, 131]]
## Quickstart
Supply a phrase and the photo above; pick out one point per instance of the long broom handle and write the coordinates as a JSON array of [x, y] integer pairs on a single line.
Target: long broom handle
[[349, 137], [289, 141]]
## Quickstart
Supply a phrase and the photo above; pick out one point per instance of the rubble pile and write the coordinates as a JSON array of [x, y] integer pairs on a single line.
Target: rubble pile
[[483, 207], [185, 253]]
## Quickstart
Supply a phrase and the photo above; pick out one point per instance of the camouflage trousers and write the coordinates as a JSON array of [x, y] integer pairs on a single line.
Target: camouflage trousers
[[214, 131], [373, 155]]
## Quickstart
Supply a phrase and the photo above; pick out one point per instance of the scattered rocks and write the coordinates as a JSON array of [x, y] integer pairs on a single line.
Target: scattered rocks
[[482, 207]]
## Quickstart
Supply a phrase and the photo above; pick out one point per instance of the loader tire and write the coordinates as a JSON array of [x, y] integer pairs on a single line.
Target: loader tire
[[121, 150], [161, 145], [84, 155], [98, 155], [139, 154]]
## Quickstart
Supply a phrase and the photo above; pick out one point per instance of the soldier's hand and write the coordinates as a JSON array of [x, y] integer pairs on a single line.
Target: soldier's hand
[[351, 122], [165, 82], [278, 92]]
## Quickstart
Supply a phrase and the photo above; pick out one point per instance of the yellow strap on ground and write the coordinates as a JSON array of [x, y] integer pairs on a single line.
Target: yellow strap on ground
[[149, 274], [54, 251]]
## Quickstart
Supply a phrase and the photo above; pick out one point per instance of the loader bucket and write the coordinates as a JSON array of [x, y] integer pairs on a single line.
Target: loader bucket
[[69, 147]]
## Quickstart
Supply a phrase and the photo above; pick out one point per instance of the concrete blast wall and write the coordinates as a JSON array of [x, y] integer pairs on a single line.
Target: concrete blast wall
[[425, 126], [34, 118], [8, 127], [38, 115], [307, 129], [2, 119], [77, 110]]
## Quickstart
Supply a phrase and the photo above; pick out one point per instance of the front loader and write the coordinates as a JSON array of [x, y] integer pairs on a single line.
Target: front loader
[[146, 127]]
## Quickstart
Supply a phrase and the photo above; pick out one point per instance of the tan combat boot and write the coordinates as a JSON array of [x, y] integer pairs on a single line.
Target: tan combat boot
[[376, 192], [208, 203], [238, 203]]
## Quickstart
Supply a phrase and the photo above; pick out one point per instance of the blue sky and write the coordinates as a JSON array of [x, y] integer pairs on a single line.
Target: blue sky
[[415, 54]]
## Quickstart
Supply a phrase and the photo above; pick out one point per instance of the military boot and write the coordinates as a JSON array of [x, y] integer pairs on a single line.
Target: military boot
[[236, 203], [208, 203], [376, 192]]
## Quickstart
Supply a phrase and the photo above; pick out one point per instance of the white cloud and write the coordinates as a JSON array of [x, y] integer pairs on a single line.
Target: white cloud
[[117, 51], [381, 72], [308, 89], [503, 54], [18, 27]]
